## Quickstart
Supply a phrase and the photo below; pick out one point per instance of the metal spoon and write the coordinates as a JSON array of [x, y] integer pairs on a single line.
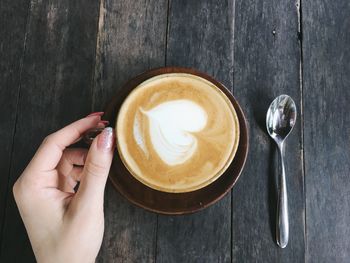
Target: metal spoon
[[280, 120]]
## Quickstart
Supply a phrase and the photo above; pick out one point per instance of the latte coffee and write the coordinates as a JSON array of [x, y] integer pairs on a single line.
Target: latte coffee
[[177, 132]]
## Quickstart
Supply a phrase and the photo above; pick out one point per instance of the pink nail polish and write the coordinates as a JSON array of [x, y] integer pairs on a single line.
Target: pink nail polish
[[104, 122], [97, 113], [106, 139]]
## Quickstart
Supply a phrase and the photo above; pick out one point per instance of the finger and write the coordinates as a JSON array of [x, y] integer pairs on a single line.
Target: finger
[[66, 168], [75, 156], [95, 173], [67, 185], [71, 157], [76, 173], [50, 151], [67, 182], [100, 124]]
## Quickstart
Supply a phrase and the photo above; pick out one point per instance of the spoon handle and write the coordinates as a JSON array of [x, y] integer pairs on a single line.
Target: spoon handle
[[282, 222]]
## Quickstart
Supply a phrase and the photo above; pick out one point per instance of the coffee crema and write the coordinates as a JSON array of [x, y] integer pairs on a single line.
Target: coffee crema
[[177, 132]]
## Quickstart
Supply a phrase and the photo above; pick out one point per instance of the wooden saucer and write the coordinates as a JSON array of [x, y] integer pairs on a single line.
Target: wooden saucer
[[174, 203]]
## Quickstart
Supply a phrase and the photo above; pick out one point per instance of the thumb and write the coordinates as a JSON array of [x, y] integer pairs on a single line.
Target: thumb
[[96, 169]]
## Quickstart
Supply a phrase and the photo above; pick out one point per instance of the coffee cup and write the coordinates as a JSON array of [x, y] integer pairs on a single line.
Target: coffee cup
[[176, 132]]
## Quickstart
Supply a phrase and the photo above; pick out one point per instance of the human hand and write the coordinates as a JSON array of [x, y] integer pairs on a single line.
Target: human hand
[[64, 225]]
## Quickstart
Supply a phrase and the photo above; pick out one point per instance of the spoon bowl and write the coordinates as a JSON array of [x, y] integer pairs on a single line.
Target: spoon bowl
[[281, 117]]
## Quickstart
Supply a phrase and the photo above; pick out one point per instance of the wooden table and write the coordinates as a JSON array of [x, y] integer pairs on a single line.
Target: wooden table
[[61, 59]]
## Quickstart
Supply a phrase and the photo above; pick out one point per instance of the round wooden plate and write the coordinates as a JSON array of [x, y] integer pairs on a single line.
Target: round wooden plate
[[174, 203]]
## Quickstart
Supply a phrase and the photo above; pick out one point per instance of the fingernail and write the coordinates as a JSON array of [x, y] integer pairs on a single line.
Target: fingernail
[[105, 123], [97, 113], [106, 139]]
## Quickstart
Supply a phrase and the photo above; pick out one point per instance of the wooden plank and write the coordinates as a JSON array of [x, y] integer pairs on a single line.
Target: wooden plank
[[267, 61], [55, 90], [200, 35], [326, 55], [12, 32], [131, 39]]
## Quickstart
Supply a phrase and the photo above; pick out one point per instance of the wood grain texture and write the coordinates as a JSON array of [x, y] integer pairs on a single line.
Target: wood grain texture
[[50, 75], [55, 90], [326, 55], [266, 64], [12, 39], [200, 35], [131, 39]]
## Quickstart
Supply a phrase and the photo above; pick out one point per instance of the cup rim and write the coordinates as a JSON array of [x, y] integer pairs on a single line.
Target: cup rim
[[212, 178]]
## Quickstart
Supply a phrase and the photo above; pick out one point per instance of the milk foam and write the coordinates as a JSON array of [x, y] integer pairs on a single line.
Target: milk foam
[[171, 125], [138, 134]]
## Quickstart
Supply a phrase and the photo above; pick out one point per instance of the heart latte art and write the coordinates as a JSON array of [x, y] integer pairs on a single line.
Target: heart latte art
[[177, 132], [170, 126]]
